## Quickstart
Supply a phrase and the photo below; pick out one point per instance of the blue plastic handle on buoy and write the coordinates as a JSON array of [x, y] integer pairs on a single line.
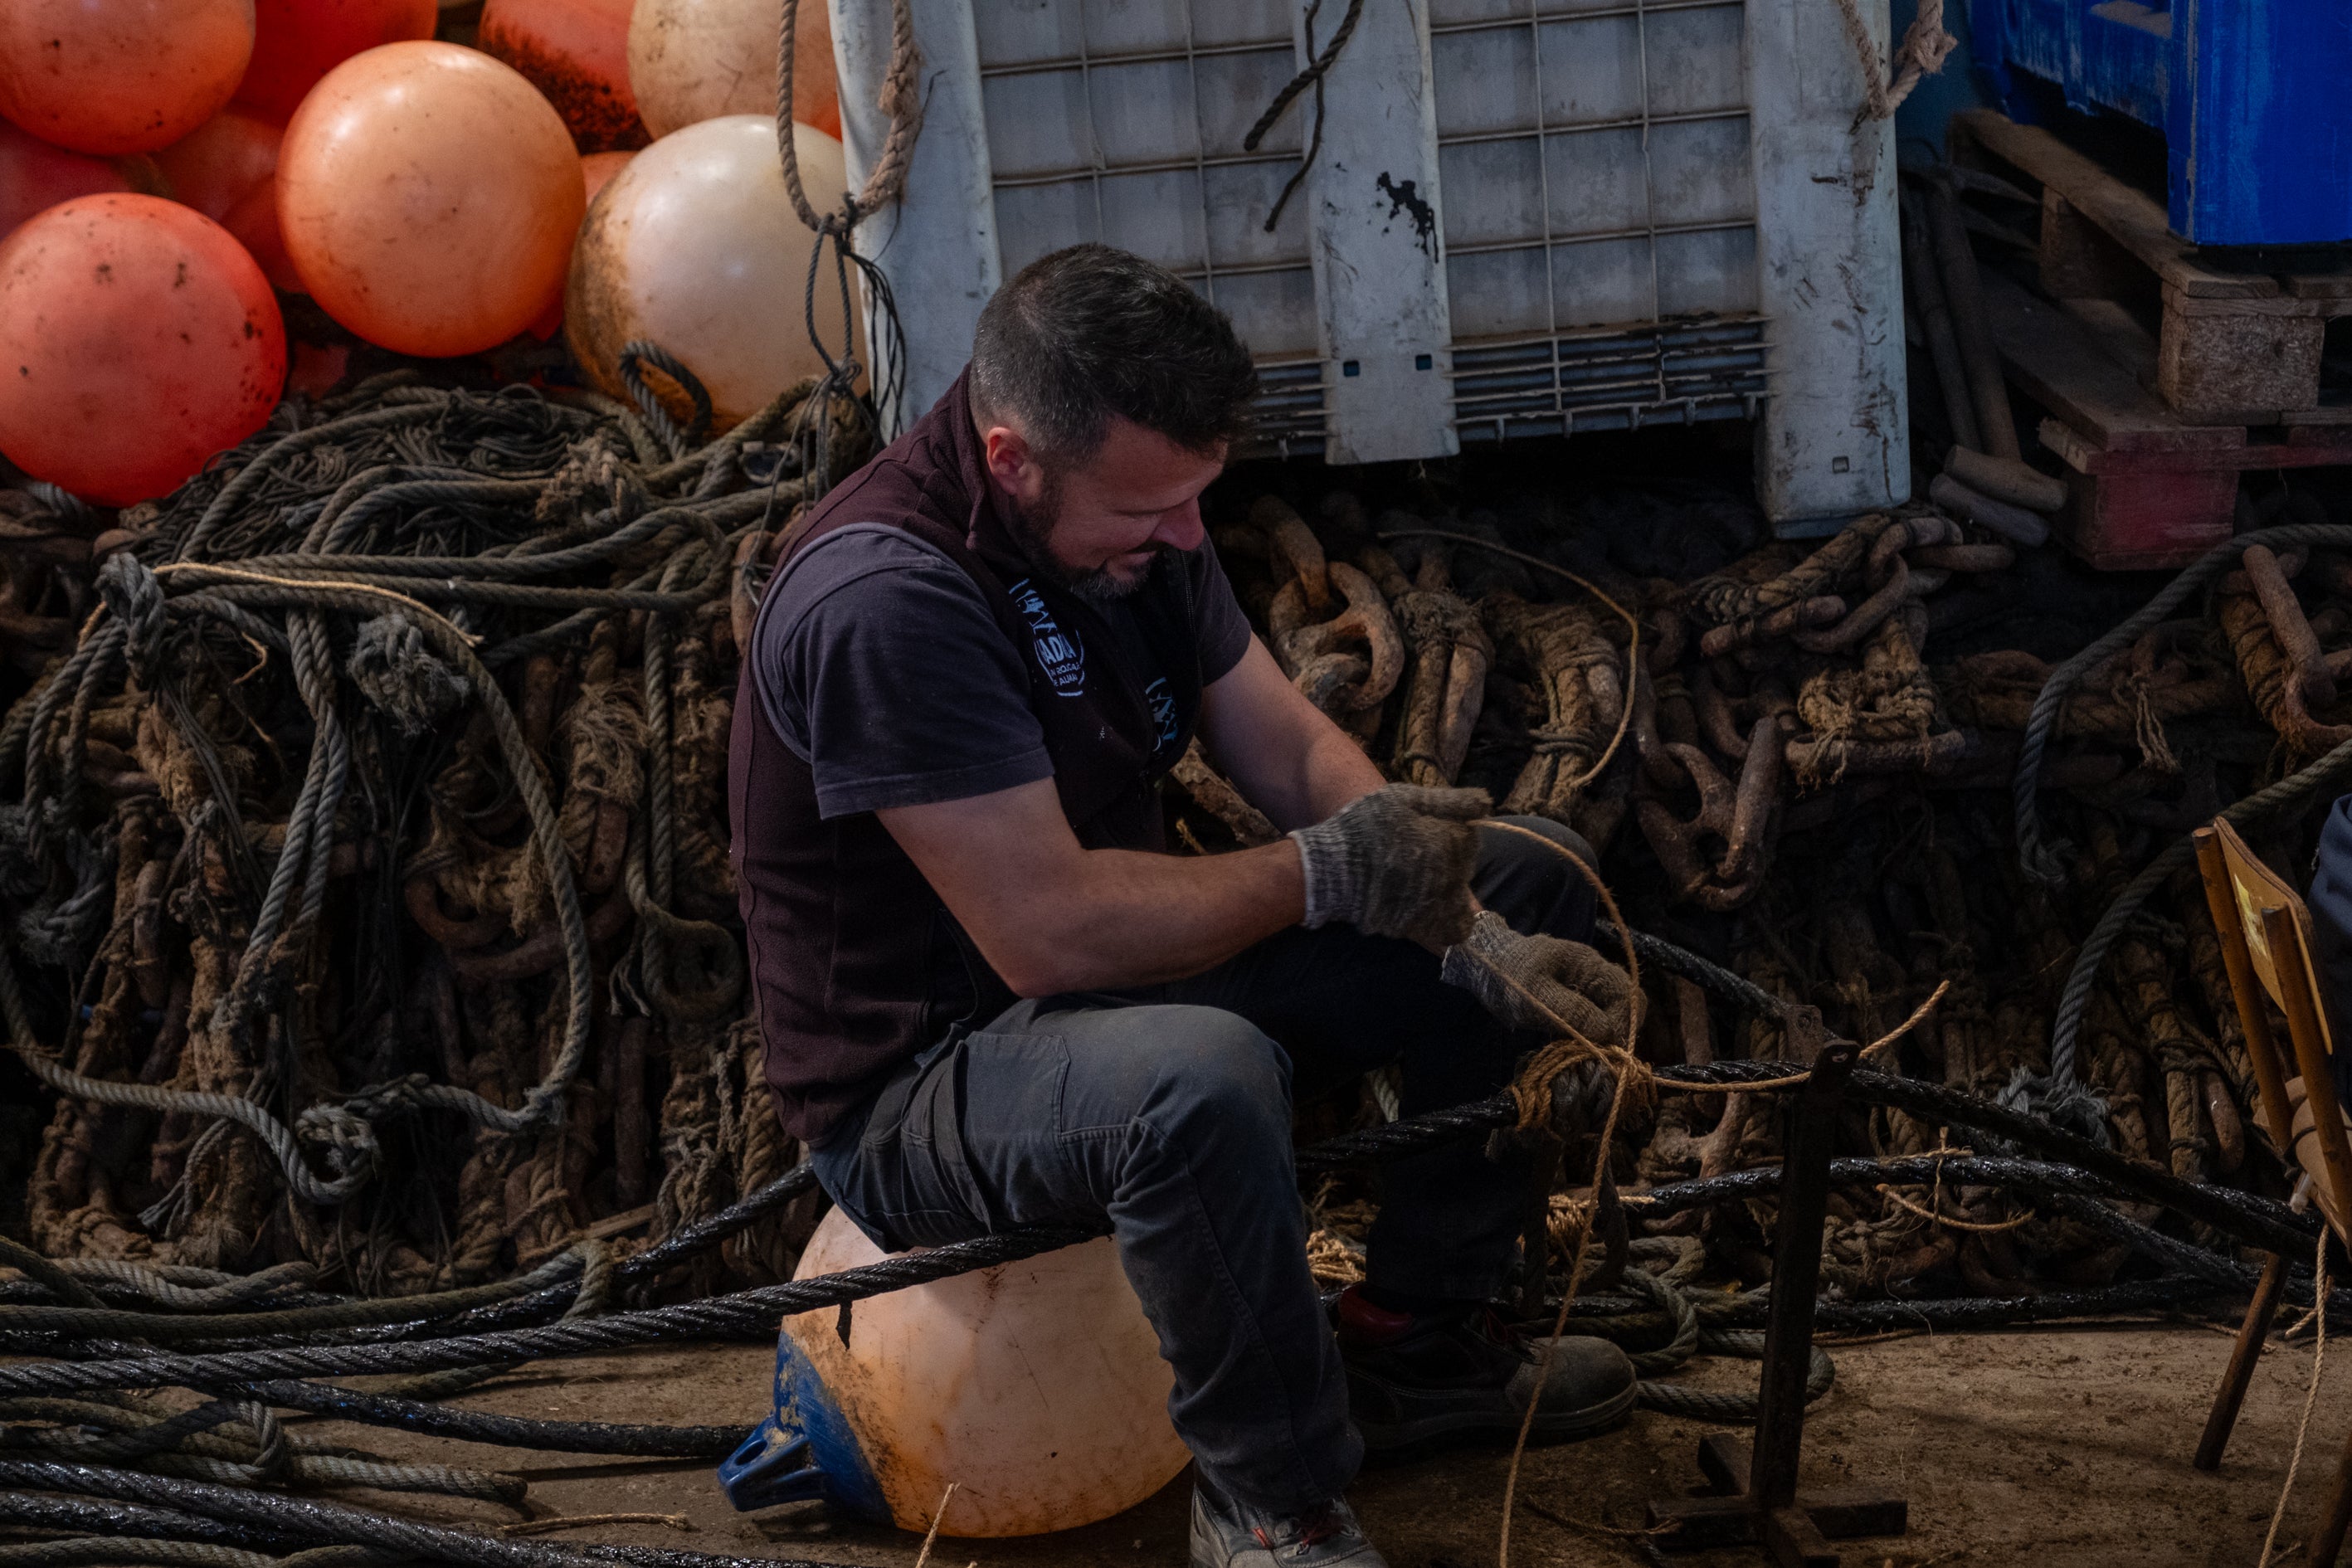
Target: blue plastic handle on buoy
[[773, 1466], [805, 1448]]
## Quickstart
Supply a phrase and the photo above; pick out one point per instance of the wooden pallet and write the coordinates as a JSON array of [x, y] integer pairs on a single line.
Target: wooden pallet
[[2236, 344], [2147, 488]]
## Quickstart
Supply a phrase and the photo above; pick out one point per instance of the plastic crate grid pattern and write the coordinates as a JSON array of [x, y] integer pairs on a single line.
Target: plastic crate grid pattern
[[1594, 173]]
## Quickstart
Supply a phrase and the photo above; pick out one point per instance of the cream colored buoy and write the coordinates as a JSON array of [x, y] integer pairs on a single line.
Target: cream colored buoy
[[696, 247], [691, 60], [1037, 1386]]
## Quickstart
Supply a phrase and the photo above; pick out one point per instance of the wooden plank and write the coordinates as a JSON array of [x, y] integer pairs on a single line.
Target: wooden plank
[[2315, 446], [1724, 1458], [2061, 366], [2080, 261], [2135, 514], [2332, 289], [2181, 303], [2118, 334], [2239, 365], [2129, 216], [1793, 1542]]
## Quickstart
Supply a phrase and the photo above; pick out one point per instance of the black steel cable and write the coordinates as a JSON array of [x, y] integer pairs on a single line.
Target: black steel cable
[[38, 1510], [687, 1320], [308, 1518], [482, 1426]]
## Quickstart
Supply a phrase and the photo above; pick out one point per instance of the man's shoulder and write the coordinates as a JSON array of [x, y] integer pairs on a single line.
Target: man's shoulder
[[862, 581], [867, 565]]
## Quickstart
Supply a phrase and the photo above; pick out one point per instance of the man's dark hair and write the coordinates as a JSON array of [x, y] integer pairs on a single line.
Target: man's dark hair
[[1089, 333]]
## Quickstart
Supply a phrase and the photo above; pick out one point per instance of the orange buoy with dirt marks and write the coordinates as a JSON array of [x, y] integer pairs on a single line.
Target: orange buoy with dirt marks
[[1037, 1386], [34, 175], [577, 53], [253, 222], [120, 76], [296, 42], [429, 196], [214, 167], [692, 60], [227, 170], [137, 339]]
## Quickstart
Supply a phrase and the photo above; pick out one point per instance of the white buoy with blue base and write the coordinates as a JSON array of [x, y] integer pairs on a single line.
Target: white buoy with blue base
[[1036, 1386]]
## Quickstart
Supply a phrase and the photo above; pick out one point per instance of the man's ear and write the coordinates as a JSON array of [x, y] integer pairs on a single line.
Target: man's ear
[[1012, 463]]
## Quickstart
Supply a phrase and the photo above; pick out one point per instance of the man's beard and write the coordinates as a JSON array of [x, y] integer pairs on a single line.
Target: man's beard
[[1032, 528]]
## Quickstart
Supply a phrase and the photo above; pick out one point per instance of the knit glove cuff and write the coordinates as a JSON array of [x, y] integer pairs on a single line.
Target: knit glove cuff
[[1396, 862]]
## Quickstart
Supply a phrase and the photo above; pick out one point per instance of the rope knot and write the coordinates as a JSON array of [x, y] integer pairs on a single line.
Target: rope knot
[[132, 596], [594, 476], [2065, 1101], [396, 669], [350, 1138]]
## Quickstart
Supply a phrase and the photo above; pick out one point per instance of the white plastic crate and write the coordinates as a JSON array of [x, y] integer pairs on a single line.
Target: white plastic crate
[[1527, 216]]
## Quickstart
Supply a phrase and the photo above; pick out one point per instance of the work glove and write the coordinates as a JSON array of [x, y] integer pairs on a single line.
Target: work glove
[[1396, 862], [1535, 984]]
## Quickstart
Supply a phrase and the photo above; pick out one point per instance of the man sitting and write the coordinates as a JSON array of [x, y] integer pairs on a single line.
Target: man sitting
[[990, 998]]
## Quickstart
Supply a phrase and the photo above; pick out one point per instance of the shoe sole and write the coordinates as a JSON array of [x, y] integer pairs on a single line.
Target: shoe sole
[[1432, 1434]]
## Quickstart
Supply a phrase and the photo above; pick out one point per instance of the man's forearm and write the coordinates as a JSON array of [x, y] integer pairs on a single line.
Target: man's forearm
[[1135, 919], [1286, 758], [1327, 770]]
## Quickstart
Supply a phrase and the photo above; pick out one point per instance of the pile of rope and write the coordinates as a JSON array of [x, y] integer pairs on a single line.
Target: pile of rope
[[363, 843], [1816, 765]]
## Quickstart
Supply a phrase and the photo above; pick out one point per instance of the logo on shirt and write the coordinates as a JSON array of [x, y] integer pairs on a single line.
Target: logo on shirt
[[1059, 653], [1163, 714]]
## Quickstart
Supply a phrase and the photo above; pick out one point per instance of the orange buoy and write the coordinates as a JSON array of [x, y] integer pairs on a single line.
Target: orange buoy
[[253, 223], [597, 169], [120, 76], [577, 53], [1037, 1385], [141, 338], [691, 60], [296, 42], [212, 167], [34, 175], [596, 172], [430, 198], [696, 247]]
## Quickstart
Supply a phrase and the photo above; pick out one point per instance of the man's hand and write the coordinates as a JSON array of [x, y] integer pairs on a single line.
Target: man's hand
[[1537, 982], [1396, 862]]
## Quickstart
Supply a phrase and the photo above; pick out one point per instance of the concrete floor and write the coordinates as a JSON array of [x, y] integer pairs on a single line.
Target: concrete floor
[[2065, 1447]]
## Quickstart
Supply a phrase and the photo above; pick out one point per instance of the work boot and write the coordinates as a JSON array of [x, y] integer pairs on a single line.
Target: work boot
[[1418, 1381], [1230, 1534]]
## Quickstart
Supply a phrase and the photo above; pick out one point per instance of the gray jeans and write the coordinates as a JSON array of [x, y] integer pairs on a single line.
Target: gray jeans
[[1167, 1110]]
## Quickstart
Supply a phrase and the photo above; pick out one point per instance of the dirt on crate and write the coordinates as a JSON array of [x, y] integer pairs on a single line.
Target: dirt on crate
[[2068, 1447]]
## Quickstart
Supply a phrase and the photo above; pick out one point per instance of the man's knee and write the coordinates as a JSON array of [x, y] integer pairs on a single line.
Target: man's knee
[[1196, 1072], [1537, 880]]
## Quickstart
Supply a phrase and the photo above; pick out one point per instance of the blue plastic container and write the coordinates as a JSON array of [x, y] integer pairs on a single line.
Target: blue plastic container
[[2253, 98]]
